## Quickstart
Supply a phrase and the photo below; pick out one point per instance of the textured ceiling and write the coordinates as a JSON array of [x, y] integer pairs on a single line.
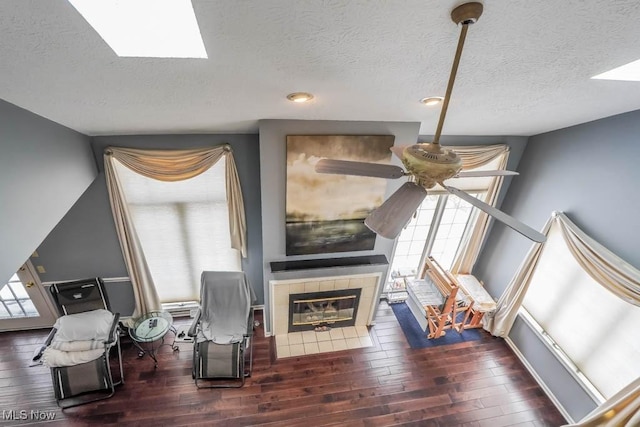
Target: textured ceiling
[[525, 68]]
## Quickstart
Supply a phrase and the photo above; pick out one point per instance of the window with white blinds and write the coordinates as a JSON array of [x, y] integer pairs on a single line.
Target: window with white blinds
[[183, 228], [596, 330]]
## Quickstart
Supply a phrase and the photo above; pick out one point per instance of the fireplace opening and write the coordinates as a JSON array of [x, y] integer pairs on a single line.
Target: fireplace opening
[[313, 310]]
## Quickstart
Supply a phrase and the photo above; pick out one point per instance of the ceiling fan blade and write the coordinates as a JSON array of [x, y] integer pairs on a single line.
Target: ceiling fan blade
[[390, 218], [473, 174], [510, 221], [398, 150], [343, 167]]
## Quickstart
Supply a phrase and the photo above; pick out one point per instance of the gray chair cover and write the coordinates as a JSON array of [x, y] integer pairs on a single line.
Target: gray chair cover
[[225, 302]]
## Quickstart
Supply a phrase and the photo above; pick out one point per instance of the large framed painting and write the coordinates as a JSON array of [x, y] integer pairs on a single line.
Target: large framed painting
[[325, 213]]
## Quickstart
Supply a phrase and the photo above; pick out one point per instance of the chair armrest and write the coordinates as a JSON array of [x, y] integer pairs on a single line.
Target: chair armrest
[[114, 326], [192, 332]]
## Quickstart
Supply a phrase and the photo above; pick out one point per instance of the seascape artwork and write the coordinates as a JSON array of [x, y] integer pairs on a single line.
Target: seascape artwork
[[324, 212]]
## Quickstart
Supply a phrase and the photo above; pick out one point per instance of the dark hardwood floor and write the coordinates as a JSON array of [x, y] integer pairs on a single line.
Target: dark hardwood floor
[[479, 383]]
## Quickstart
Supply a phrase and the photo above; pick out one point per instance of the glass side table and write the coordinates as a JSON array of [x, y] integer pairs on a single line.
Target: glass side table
[[152, 327]]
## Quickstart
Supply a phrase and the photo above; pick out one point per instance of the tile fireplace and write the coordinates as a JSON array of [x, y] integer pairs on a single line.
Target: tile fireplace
[[336, 301]]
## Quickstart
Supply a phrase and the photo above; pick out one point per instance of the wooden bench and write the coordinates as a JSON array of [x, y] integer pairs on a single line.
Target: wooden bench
[[476, 299]]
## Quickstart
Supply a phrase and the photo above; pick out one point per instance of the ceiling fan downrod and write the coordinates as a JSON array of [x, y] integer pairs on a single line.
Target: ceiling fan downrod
[[465, 15]]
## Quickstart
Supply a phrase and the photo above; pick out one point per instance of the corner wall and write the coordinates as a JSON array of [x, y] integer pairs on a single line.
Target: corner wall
[[44, 168]]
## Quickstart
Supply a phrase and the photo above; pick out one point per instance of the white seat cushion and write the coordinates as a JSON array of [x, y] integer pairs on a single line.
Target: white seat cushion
[[89, 325], [472, 287]]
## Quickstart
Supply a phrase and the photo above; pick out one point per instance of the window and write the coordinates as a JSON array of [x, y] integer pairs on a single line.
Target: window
[[14, 300], [591, 329], [183, 227], [436, 229], [440, 225]]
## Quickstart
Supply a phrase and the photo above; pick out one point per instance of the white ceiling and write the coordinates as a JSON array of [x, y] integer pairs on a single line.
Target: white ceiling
[[525, 68]]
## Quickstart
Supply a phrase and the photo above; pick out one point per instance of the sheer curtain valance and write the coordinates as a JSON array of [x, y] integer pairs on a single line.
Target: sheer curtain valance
[[166, 165]]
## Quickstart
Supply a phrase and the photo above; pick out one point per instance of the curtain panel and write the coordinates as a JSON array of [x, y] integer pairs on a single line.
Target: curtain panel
[[474, 156], [166, 165]]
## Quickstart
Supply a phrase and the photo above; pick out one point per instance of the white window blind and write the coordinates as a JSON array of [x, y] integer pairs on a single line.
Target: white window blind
[[595, 329], [183, 228]]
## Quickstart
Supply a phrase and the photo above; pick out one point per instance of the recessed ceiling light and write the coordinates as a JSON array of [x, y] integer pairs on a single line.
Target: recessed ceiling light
[[145, 28], [629, 72], [432, 100], [300, 97]]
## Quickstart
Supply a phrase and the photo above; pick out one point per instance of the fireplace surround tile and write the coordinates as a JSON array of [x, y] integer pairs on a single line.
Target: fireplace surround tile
[[281, 289]]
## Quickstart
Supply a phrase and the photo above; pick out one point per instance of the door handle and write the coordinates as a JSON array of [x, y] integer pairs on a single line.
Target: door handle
[[29, 284]]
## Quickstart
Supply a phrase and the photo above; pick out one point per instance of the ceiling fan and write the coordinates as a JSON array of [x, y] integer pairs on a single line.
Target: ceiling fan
[[426, 164]]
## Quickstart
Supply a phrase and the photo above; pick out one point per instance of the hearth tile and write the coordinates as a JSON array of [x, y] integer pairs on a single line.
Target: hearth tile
[[282, 339], [336, 334], [295, 338], [366, 341], [353, 342], [311, 348], [350, 332], [283, 351], [309, 337], [323, 336], [339, 344], [325, 346], [362, 331], [297, 350]]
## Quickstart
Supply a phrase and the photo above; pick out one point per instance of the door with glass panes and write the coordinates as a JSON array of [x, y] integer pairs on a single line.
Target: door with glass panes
[[24, 303]]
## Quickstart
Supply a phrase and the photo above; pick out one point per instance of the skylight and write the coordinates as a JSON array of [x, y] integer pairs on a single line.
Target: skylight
[[629, 72], [145, 28]]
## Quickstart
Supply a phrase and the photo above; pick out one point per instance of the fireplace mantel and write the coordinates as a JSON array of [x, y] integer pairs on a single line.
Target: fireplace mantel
[[311, 264]]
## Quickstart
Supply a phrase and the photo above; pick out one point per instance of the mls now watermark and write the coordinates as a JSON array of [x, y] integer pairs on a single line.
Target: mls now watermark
[[31, 415]]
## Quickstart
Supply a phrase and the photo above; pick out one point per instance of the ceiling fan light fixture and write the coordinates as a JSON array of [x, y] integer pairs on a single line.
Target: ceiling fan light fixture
[[300, 97], [432, 100]]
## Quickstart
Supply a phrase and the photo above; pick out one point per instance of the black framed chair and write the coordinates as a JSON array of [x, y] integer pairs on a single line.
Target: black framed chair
[[78, 347], [223, 330]]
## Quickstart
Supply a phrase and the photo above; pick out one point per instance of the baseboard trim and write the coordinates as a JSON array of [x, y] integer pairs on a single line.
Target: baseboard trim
[[539, 380]]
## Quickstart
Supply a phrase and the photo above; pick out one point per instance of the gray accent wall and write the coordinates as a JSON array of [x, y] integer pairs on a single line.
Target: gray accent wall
[[590, 172], [44, 168], [85, 243]]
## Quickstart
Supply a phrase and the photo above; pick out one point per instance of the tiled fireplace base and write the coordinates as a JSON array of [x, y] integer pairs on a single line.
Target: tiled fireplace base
[[311, 342]]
